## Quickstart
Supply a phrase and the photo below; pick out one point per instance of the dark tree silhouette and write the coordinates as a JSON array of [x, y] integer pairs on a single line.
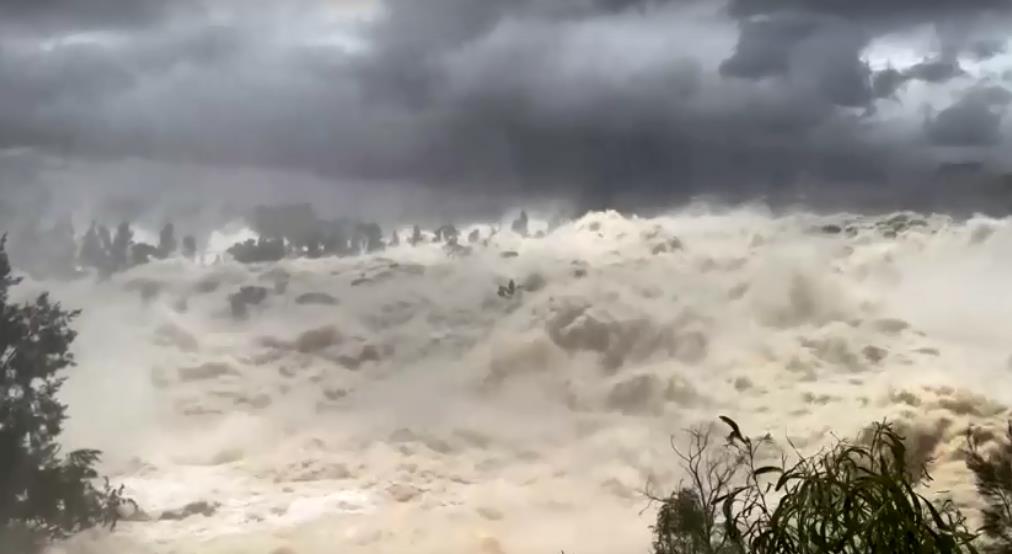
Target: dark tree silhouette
[[121, 247], [416, 236], [447, 233], [105, 238], [42, 494], [368, 237], [167, 241], [520, 224], [142, 252], [92, 253], [314, 245], [336, 243], [395, 239], [189, 247], [257, 251]]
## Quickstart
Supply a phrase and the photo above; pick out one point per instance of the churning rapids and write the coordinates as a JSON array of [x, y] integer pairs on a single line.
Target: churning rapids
[[397, 403]]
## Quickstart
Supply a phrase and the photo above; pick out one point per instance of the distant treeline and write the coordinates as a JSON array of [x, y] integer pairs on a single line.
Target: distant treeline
[[288, 231], [296, 231], [58, 253]]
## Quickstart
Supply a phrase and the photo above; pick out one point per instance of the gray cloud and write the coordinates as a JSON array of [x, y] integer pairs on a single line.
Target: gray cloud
[[597, 99], [987, 48], [93, 15], [765, 47], [887, 82], [974, 120], [882, 11], [935, 71]]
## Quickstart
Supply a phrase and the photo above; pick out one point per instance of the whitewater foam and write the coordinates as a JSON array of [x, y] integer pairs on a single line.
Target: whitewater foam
[[418, 410]]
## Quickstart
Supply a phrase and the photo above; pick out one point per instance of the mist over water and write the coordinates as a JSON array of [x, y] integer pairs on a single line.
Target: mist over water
[[410, 408]]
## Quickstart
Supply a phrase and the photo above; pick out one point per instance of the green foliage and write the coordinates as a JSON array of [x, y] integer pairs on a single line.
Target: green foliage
[[855, 497], [687, 522], [42, 495], [992, 473]]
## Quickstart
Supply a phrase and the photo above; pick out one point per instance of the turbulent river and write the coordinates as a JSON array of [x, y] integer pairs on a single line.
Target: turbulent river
[[397, 403]]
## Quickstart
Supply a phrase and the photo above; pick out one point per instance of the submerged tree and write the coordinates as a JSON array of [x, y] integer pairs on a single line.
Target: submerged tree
[[121, 246], [258, 251], [43, 495], [142, 252], [313, 246], [335, 242], [520, 224], [368, 237], [189, 247], [167, 241], [447, 233], [105, 238], [92, 253]]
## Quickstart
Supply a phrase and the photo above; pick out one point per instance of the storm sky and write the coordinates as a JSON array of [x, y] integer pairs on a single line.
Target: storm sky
[[596, 100]]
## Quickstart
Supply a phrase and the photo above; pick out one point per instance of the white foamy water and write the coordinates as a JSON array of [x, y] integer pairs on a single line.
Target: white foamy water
[[421, 412]]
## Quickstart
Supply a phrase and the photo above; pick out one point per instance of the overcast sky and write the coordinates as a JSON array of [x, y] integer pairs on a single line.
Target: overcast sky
[[594, 100]]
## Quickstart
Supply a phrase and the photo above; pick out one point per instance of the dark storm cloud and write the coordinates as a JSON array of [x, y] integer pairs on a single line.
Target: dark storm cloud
[[974, 120], [765, 47], [935, 71], [987, 48], [64, 98], [776, 32], [593, 98], [915, 11], [887, 82], [86, 15], [507, 107]]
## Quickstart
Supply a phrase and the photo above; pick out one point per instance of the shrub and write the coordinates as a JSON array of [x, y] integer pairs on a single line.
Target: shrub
[[688, 522], [992, 473], [258, 251], [42, 495], [855, 497]]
